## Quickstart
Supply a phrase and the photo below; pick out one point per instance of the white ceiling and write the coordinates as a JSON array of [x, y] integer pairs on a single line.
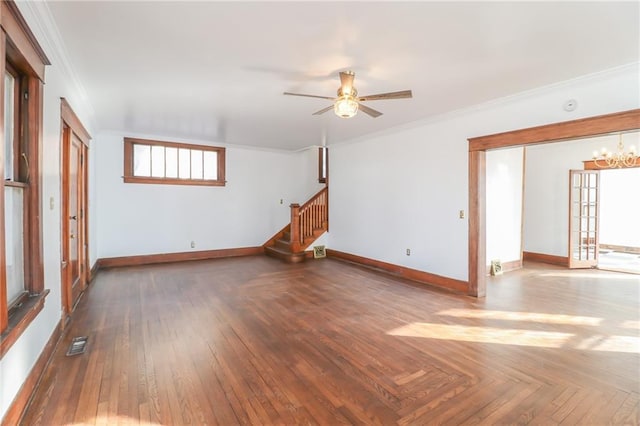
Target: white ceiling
[[216, 70]]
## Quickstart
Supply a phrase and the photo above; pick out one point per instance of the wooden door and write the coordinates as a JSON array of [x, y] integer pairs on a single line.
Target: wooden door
[[74, 227], [584, 206]]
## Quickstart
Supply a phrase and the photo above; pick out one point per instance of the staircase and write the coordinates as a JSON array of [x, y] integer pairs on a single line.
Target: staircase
[[308, 223]]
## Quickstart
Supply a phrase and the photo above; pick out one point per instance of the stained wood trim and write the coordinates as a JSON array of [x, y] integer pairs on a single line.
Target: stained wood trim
[[22, 39], [591, 165], [278, 235], [511, 265], [545, 258], [72, 120], [20, 320], [27, 390], [148, 259], [35, 269], [590, 126], [404, 272], [128, 176], [477, 224], [94, 271], [171, 181], [4, 317]]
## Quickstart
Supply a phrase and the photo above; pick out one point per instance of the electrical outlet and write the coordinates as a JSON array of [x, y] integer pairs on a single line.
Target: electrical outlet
[[408, 252], [461, 214], [193, 244]]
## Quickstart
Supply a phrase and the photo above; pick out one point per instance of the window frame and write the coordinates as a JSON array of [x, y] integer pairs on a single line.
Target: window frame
[[129, 177], [323, 164], [22, 56]]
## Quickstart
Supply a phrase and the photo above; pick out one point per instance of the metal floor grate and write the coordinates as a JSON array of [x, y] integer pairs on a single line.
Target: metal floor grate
[[78, 346]]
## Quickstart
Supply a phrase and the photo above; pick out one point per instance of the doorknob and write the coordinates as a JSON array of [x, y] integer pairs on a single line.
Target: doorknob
[[72, 236], [74, 217]]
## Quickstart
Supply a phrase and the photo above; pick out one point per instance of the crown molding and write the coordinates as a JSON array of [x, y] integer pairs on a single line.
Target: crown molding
[[40, 19]]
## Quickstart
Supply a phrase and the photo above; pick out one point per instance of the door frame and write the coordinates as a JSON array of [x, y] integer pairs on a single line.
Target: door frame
[[70, 125], [478, 146], [589, 262]]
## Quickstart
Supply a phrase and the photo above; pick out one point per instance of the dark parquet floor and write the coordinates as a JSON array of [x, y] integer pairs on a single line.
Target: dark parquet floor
[[256, 341]]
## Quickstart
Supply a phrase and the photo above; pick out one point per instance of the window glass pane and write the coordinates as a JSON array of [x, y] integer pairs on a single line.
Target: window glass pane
[[9, 82], [14, 234], [196, 164], [210, 165], [157, 161], [171, 162], [141, 160], [184, 163]]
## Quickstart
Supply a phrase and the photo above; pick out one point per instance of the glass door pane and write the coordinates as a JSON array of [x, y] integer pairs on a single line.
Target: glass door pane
[[583, 218]]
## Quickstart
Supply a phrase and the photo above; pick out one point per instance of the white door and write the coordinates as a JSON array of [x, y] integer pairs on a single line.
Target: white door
[[583, 218]]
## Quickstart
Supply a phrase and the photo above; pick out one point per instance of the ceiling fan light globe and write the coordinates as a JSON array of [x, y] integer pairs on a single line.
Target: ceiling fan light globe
[[346, 107]]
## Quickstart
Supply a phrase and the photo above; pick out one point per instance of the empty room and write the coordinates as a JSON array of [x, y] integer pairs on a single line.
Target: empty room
[[268, 213]]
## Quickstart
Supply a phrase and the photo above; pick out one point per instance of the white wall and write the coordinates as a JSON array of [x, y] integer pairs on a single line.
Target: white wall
[[306, 172], [403, 188], [546, 218], [18, 361], [504, 204], [620, 207], [138, 219]]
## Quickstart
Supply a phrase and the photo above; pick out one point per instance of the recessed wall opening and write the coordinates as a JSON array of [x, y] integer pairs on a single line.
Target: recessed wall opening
[[478, 147]]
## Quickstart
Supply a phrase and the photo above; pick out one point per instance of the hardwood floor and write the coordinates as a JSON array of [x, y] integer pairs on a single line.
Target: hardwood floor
[[256, 341]]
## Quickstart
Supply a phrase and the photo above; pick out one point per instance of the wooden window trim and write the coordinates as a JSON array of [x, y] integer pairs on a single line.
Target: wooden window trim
[[21, 52], [323, 160], [128, 176]]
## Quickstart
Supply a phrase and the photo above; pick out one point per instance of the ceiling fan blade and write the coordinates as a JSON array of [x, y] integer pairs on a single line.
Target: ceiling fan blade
[[308, 96], [323, 110], [346, 81], [370, 111], [403, 94]]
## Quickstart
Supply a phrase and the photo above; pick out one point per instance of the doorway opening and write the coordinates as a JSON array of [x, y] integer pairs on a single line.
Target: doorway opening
[[619, 230]]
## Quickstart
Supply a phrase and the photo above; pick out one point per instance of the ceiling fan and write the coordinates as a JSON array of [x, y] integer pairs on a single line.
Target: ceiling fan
[[347, 103]]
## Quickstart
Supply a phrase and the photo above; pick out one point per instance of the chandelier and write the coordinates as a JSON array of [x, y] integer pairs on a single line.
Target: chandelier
[[611, 160]]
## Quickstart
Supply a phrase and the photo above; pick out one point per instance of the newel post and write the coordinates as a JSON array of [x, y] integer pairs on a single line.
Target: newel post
[[295, 228]]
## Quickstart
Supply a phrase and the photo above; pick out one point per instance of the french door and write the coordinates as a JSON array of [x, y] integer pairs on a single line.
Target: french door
[[584, 207], [74, 224]]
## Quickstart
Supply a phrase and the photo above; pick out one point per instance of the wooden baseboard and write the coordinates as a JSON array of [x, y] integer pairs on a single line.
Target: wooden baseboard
[[148, 259], [404, 272], [511, 265], [94, 270], [21, 401], [546, 258]]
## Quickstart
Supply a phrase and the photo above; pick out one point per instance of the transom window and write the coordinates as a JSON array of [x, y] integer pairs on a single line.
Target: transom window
[[148, 161]]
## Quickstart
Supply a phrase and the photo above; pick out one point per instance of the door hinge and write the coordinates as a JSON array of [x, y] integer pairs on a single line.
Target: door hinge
[[81, 159]]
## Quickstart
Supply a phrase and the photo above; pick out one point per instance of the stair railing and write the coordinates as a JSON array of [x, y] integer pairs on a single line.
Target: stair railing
[[305, 219]]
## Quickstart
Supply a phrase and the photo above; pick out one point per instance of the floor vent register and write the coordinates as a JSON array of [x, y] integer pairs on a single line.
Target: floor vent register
[[78, 346]]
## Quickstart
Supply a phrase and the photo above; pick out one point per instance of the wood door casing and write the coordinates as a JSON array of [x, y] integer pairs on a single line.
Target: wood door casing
[[74, 224]]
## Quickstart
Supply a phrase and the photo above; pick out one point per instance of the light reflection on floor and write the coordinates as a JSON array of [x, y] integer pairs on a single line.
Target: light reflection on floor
[[517, 337], [522, 316]]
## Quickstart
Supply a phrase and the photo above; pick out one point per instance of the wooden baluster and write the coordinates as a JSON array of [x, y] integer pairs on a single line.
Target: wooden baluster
[[295, 228]]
